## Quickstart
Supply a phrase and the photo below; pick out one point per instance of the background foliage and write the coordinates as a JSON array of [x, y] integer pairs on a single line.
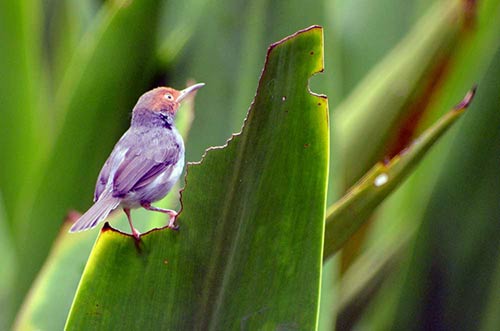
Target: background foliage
[[72, 70]]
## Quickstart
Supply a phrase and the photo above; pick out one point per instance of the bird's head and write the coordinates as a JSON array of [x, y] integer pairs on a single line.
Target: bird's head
[[165, 99]]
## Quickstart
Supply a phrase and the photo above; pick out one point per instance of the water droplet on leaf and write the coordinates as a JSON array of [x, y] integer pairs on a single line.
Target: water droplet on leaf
[[381, 179]]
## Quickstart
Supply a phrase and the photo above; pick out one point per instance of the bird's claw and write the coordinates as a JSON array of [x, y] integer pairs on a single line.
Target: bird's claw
[[137, 235], [171, 224]]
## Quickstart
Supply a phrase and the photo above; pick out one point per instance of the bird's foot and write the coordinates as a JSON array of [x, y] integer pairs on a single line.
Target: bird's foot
[[171, 223], [136, 234], [169, 212]]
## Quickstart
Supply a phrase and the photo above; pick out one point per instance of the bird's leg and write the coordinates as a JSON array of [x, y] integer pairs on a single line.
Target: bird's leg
[[135, 233], [170, 212]]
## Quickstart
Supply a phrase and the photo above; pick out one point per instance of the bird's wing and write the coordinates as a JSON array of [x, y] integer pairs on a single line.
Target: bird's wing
[[143, 163], [101, 180], [112, 163]]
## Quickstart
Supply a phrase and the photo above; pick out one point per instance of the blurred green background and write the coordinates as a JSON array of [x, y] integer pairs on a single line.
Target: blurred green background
[[427, 259]]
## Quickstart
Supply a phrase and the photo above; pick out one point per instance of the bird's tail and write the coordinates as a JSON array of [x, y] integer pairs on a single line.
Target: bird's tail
[[97, 213]]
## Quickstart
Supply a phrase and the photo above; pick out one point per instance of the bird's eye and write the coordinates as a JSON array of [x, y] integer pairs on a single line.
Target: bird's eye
[[169, 96]]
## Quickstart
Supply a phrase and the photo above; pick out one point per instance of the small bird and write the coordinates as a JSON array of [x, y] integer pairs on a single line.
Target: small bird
[[145, 163]]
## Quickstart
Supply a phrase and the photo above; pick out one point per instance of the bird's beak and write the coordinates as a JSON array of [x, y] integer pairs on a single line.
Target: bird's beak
[[184, 93]]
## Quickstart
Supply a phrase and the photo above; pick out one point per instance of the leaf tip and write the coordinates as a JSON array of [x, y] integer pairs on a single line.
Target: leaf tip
[[310, 28], [106, 227], [313, 29], [466, 100]]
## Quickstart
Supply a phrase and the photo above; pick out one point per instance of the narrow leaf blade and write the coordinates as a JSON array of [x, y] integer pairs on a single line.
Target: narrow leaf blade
[[369, 119], [350, 212]]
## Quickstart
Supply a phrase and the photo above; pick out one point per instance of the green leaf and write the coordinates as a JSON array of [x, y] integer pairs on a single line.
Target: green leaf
[[491, 312], [347, 215], [364, 33], [111, 67], [409, 205], [50, 297], [179, 21], [248, 254], [370, 118], [7, 269], [457, 242], [69, 21], [21, 140], [365, 278]]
